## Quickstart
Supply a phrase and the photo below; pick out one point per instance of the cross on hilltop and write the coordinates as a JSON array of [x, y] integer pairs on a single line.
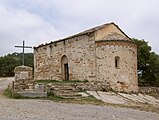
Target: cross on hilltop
[[23, 50]]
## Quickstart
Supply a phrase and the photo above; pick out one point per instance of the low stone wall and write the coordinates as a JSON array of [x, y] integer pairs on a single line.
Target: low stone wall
[[20, 85], [27, 88], [23, 78], [82, 86], [149, 90], [93, 86], [24, 85]]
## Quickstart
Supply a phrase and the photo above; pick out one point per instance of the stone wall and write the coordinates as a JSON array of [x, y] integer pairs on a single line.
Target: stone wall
[[152, 91], [81, 60], [81, 86], [22, 85], [23, 72], [149, 90], [123, 77], [23, 78], [93, 86], [90, 56]]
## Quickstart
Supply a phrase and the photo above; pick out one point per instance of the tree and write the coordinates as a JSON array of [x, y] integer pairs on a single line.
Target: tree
[[10, 61], [154, 67], [148, 63]]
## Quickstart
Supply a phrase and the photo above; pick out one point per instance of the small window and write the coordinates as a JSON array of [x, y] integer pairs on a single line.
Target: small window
[[117, 62]]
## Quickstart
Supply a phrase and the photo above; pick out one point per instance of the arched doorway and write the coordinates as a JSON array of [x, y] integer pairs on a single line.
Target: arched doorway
[[64, 68]]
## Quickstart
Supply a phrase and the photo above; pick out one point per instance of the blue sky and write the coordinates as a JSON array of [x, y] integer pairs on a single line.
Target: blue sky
[[41, 21]]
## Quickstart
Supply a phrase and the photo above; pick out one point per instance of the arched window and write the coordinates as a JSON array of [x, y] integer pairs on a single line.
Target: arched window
[[117, 62]]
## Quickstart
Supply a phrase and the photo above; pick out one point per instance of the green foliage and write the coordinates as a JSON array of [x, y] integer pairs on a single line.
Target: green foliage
[[10, 61], [148, 64]]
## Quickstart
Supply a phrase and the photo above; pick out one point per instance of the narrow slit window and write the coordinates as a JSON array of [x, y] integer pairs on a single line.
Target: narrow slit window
[[117, 62]]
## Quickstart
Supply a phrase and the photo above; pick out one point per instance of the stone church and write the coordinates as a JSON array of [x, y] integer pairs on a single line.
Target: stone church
[[103, 53]]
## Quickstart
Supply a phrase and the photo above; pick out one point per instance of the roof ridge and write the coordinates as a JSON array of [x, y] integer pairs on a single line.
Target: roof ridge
[[91, 30]]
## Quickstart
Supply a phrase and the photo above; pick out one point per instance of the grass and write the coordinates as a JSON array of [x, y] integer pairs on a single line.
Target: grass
[[55, 98], [60, 81], [9, 94], [80, 100], [86, 100]]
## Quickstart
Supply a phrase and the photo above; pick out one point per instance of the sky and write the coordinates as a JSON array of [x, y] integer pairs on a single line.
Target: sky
[[42, 21]]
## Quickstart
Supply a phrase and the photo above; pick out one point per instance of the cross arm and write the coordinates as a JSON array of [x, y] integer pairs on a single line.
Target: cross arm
[[24, 46]]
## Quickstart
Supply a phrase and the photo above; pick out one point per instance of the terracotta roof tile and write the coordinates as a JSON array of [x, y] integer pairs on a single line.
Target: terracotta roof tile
[[109, 37]]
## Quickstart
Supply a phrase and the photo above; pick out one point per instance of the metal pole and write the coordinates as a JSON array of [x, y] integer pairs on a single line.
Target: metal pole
[[23, 53]]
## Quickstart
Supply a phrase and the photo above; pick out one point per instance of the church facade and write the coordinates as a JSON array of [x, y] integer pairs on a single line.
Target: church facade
[[103, 53]]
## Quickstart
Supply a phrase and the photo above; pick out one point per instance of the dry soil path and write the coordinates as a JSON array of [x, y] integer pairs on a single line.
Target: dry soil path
[[4, 82], [14, 109]]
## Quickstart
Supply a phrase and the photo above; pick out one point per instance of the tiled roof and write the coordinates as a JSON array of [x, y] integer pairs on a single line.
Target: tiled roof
[[91, 30], [108, 37]]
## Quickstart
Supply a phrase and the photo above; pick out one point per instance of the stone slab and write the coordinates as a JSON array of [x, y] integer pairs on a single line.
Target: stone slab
[[24, 75], [95, 94], [39, 87], [83, 94], [32, 94], [111, 97], [123, 98]]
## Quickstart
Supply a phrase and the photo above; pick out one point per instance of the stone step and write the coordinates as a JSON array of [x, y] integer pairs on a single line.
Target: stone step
[[66, 91], [62, 87], [69, 95], [31, 93], [61, 84], [57, 87]]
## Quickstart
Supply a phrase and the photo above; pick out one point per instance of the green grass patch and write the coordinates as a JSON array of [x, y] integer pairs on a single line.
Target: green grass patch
[[85, 100], [8, 93], [60, 81], [81, 100], [54, 97]]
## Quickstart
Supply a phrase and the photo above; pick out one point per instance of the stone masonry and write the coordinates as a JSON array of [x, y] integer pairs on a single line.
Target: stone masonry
[[24, 84], [103, 53], [23, 78]]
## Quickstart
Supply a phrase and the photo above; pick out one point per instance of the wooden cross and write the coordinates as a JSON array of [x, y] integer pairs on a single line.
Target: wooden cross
[[23, 50]]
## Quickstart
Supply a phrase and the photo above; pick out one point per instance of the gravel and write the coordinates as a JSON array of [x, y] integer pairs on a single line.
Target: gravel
[[31, 109], [13, 109]]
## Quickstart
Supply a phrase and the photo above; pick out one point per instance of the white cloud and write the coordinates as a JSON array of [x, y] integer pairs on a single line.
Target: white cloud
[[19, 24], [38, 21]]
